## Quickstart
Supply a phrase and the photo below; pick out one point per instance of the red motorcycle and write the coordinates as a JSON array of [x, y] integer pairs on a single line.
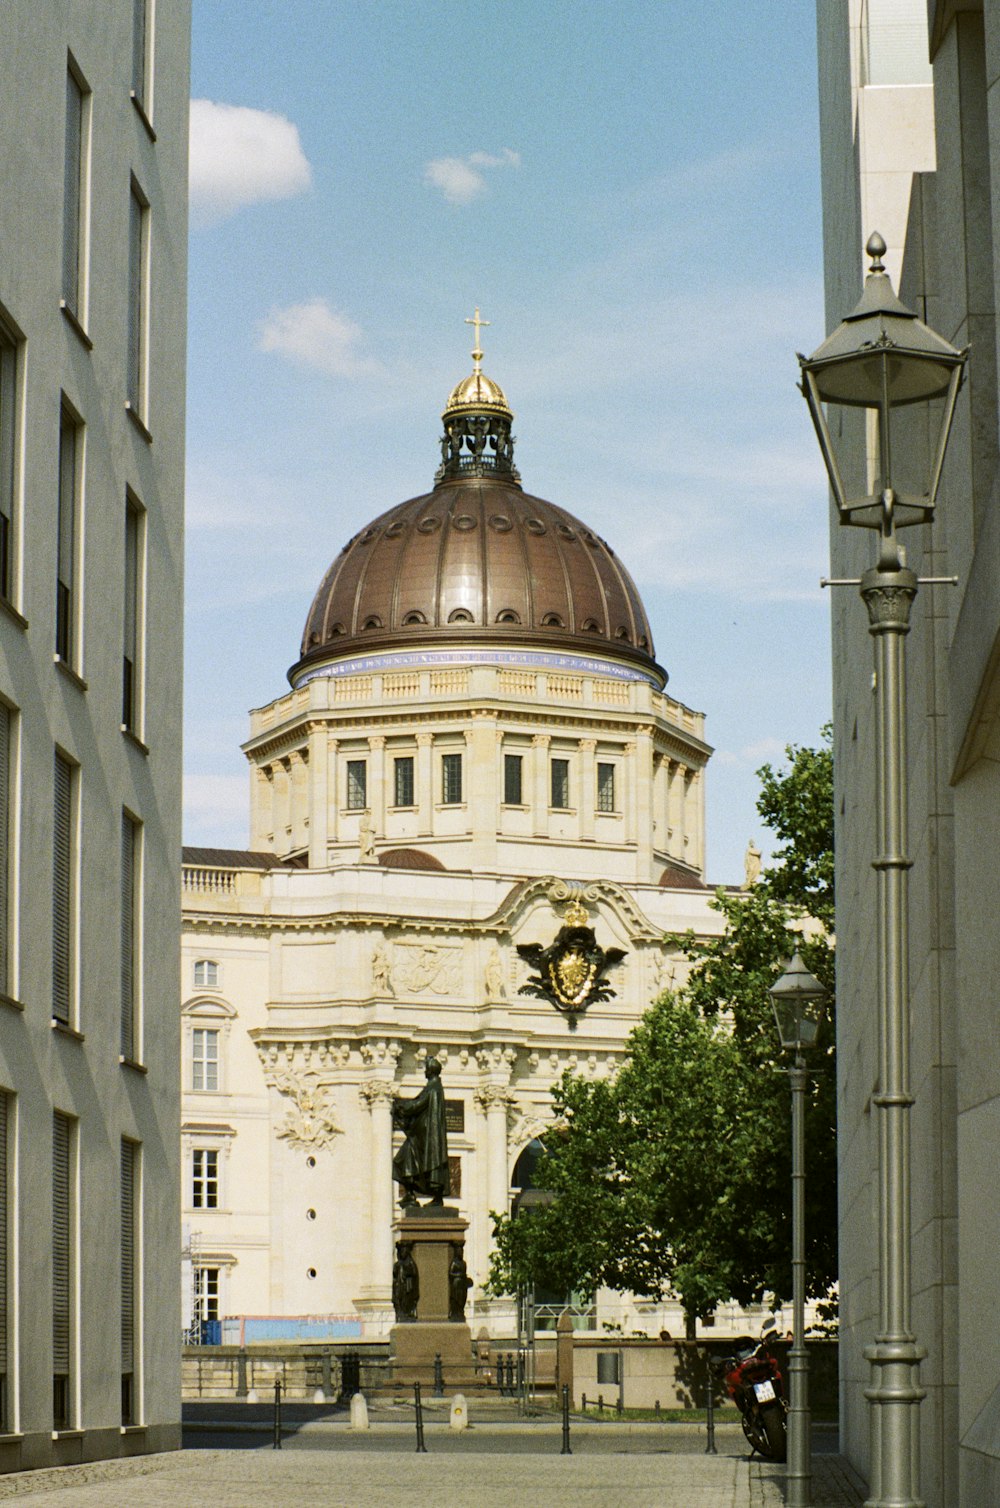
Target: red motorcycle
[[753, 1381]]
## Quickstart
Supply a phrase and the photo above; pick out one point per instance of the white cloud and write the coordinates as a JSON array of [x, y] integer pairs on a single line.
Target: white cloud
[[460, 179], [317, 336], [241, 156]]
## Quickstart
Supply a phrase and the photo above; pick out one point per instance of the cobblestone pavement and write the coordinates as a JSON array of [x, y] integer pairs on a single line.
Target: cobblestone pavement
[[286, 1479]]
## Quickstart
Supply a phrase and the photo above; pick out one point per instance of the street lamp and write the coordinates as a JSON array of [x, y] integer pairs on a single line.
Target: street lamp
[[798, 999], [882, 358]]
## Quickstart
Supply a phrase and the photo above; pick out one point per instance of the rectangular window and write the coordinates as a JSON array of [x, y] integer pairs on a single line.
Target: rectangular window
[[403, 793], [133, 616], [130, 917], [451, 779], [5, 1347], [205, 1179], [605, 787], [139, 52], [560, 783], [129, 1180], [63, 890], [512, 767], [206, 1294], [138, 247], [63, 1217], [206, 974], [205, 1058], [8, 453], [74, 191], [6, 728], [357, 785], [67, 509]]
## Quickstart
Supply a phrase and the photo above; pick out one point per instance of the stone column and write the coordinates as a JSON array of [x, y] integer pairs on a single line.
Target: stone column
[[425, 784], [376, 787], [318, 805], [540, 803], [587, 795], [332, 791], [675, 841], [482, 795], [631, 794], [378, 1094], [282, 804], [643, 777]]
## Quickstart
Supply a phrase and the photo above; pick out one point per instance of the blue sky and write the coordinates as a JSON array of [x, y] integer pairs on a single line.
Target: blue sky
[[630, 192]]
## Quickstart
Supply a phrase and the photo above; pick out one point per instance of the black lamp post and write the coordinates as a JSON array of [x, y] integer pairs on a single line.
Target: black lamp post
[[798, 999], [879, 359]]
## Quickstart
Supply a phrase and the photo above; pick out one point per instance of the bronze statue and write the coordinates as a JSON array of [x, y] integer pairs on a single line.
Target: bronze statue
[[405, 1283], [421, 1164], [459, 1282]]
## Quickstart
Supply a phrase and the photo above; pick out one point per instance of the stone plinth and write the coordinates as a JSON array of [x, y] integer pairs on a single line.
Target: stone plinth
[[413, 1345]]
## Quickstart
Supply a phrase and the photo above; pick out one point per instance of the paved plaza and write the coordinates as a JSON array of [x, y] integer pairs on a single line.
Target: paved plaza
[[339, 1470]]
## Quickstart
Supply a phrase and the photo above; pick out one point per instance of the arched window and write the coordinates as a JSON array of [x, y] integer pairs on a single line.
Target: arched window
[[206, 974]]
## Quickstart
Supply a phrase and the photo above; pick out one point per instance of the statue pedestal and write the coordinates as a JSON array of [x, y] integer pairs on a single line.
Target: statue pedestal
[[413, 1344]]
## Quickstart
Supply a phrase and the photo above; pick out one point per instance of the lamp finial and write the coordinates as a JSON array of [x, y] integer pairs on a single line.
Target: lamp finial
[[876, 250]]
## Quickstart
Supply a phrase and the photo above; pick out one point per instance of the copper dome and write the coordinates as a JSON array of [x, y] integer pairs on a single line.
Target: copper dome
[[477, 561]]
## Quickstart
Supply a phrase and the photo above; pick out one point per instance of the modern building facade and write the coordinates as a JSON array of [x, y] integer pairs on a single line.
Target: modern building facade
[[911, 141], [93, 225], [477, 750]]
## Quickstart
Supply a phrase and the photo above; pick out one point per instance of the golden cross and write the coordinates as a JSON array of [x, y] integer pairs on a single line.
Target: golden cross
[[477, 354]]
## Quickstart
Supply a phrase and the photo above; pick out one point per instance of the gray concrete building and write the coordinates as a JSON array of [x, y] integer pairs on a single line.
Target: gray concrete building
[[93, 230], [910, 133]]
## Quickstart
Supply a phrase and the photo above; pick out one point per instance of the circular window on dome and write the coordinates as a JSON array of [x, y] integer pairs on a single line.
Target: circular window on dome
[[501, 523], [314, 637], [464, 521], [565, 532], [368, 536], [395, 530], [591, 626], [428, 525], [534, 526], [413, 618], [336, 629], [460, 615], [623, 633], [508, 616], [372, 622], [643, 642], [592, 540], [552, 620]]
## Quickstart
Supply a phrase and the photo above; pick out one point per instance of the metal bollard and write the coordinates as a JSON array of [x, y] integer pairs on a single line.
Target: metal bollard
[[566, 1450], [583, 1403], [419, 1410], [656, 1409], [710, 1449], [438, 1376], [600, 1404], [620, 1406], [277, 1414]]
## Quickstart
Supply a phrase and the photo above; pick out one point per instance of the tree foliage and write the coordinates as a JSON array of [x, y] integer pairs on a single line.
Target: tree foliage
[[676, 1175]]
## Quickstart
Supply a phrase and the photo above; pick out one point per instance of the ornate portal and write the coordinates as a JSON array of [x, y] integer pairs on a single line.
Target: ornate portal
[[571, 970]]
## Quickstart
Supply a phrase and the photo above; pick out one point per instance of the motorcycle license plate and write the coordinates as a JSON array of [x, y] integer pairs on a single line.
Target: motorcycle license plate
[[763, 1391]]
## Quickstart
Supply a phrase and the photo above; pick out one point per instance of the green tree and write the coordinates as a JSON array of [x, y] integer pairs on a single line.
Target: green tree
[[677, 1173]]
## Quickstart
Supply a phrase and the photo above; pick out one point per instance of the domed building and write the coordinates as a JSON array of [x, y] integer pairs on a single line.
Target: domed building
[[477, 752]]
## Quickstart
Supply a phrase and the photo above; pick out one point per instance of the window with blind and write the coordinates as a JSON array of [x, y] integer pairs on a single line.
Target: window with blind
[[63, 1216], [63, 891], [75, 190], [130, 913], [66, 506], [605, 787], [138, 242], [6, 722], [8, 454], [129, 1181], [5, 1339], [132, 617], [357, 785]]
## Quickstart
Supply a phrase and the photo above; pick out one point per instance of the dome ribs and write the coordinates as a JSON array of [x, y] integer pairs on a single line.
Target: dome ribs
[[474, 549]]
